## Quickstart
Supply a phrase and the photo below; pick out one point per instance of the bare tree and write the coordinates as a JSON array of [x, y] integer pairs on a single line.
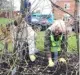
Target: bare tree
[[6, 5], [76, 22]]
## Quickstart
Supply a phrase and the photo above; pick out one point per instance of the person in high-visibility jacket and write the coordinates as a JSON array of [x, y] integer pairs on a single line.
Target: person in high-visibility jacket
[[54, 41]]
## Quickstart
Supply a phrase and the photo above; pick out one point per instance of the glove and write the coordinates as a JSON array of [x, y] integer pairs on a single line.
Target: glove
[[32, 58], [51, 63], [62, 60]]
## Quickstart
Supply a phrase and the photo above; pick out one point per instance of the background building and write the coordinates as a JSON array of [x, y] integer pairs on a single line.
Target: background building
[[67, 5]]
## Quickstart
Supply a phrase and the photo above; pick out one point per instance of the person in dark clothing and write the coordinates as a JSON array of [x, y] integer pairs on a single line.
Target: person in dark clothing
[[54, 38]]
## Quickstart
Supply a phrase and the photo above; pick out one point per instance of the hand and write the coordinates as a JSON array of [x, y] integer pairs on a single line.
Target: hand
[[62, 60], [32, 57], [51, 63]]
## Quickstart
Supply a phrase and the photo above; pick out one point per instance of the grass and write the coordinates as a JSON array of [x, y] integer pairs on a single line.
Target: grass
[[4, 21], [2, 47], [40, 42], [71, 42]]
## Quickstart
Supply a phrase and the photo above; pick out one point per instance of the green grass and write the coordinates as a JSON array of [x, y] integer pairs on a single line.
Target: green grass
[[2, 47], [4, 21], [40, 42], [71, 42]]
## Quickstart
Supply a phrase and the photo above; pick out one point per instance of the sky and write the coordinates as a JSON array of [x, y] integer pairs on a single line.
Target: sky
[[17, 4], [44, 6]]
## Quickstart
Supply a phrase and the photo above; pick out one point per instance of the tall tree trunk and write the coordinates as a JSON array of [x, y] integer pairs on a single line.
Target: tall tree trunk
[[76, 22]]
